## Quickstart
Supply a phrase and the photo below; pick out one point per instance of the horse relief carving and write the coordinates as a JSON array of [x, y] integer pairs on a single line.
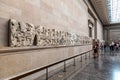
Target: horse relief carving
[[21, 34], [26, 34]]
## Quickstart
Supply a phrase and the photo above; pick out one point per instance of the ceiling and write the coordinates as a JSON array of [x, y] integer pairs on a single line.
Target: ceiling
[[101, 9]]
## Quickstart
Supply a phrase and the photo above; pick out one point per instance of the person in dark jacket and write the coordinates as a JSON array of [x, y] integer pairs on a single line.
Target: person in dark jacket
[[96, 50]]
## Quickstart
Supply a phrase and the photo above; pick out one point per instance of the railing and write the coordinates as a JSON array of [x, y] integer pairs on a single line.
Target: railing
[[47, 67]]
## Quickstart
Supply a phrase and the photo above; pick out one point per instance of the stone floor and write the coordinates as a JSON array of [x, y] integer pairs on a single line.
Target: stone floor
[[106, 67]]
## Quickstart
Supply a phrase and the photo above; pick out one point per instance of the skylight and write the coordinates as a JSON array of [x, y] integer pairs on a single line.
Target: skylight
[[114, 11]]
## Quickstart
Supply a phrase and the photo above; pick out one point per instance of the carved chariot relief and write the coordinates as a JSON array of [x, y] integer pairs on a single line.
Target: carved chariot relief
[[26, 34]]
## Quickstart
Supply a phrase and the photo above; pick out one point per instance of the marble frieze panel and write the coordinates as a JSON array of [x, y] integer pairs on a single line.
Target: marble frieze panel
[[26, 34], [21, 34]]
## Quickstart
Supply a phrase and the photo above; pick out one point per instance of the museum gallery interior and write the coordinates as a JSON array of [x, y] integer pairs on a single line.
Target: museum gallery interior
[[59, 39]]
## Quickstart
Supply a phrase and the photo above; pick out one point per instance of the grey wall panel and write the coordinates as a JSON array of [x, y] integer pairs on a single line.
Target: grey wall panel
[[3, 32]]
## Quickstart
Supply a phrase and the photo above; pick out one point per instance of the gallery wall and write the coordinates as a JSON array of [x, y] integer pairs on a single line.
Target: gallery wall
[[64, 15]]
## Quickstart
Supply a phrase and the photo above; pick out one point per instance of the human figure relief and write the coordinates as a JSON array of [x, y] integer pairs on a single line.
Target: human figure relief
[[26, 34], [41, 33], [21, 34]]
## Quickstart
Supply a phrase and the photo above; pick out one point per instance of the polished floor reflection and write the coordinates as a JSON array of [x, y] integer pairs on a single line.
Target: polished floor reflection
[[106, 67]]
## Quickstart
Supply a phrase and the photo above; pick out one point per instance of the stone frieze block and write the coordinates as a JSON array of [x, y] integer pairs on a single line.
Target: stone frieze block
[[26, 34]]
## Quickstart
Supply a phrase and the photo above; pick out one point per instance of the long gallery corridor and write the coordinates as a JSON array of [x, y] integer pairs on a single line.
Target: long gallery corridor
[[59, 39]]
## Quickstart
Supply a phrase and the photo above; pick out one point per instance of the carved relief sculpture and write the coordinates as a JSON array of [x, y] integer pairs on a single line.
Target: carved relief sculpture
[[21, 34], [26, 34]]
